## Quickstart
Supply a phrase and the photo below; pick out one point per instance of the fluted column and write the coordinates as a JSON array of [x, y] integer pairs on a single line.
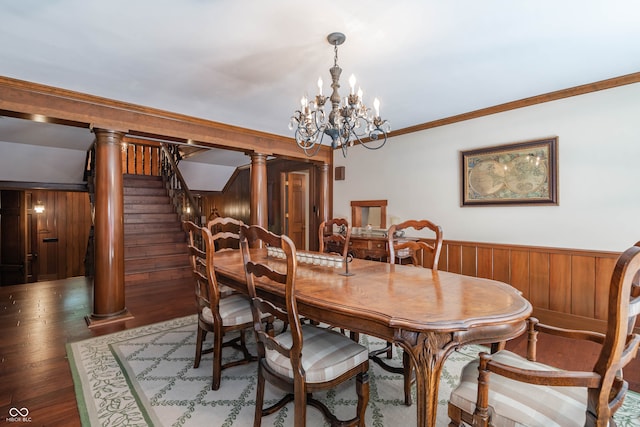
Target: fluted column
[[259, 205], [108, 292], [325, 203]]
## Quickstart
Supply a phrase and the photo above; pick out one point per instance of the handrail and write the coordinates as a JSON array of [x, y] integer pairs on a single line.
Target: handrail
[[197, 214]]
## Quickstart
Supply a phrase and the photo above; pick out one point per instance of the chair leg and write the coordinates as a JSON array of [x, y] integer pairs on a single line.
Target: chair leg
[[300, 406], [257, 418], [199, 340], [390, 350], [362, 390], [408, 371], [455, 416], [243, 345], [217, 361]]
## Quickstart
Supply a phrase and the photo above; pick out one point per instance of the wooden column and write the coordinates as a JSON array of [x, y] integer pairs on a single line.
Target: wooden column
[[259, 205], [323, 209], [108, 287]]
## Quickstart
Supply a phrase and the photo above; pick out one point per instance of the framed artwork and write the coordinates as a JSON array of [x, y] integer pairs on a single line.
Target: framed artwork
[[522, 173]]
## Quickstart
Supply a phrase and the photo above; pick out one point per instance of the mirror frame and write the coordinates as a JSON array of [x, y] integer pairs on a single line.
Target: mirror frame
[[358, 205]]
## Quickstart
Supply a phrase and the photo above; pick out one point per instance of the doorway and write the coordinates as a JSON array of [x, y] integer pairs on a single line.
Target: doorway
[[13, 266], [296, 208]]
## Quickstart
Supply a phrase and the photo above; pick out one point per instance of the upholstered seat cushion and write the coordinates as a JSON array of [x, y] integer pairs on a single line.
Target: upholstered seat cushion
[[326, 354], [513, 403], [234, 310], [225, 290]]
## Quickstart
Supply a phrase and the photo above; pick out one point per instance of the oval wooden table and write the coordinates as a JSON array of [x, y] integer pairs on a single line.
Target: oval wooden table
[[428, 313]]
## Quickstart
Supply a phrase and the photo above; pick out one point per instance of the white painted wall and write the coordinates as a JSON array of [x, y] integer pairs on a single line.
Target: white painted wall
[[205, 177], [36, 163], [599, 174]]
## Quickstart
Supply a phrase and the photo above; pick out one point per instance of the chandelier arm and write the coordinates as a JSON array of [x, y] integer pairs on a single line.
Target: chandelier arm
[[317, 146], [374, 135], [384, 141]]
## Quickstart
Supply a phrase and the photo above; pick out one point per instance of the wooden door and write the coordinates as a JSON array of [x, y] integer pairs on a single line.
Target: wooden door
[[296, 209], [47, 238], [12, 231]]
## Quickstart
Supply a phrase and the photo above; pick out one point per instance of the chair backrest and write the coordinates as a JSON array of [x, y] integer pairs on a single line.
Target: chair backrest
[[225, 231], [280, 273], [205, 297], [620, 344], [420, 252], [334, 234]]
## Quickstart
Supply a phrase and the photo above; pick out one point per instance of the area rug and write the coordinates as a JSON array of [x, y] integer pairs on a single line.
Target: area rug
[[145, 377]]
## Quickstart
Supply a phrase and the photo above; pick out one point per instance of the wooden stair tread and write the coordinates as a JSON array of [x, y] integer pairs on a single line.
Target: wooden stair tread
[[154, 240]]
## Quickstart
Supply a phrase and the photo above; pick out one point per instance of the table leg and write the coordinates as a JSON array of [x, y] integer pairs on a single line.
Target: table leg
[[428, 353]]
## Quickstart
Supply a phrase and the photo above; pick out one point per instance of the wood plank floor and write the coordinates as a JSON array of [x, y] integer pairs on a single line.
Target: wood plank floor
[[37, 320]]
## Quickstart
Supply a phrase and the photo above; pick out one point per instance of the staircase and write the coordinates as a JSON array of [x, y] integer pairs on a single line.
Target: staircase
[[155, 248]]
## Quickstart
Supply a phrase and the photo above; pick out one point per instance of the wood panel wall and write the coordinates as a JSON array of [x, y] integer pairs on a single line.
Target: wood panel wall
[[234, 200], [567, 287], [67, 217]]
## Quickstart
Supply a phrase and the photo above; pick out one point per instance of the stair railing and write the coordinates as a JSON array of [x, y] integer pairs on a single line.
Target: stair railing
[[183, 199]]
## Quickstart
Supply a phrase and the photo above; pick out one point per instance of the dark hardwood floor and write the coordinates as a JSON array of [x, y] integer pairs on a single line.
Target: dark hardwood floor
[[37, 320]]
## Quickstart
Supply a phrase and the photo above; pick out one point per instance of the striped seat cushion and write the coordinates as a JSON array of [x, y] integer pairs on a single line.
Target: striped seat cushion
[[225, 290], [513, 403], [234, 310], [326, 354]]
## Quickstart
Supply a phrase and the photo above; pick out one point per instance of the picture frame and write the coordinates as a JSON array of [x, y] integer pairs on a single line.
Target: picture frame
[[523, 173]]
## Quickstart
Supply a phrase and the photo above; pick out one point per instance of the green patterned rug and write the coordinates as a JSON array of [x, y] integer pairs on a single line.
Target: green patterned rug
[[145, 377]]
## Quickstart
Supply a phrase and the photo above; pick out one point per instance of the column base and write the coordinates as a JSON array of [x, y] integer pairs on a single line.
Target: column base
[[94, 321]]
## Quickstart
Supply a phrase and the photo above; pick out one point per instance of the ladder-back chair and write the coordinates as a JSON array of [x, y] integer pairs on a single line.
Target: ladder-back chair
[[305, 358], [419, 253], [216, 314], [334, 236]]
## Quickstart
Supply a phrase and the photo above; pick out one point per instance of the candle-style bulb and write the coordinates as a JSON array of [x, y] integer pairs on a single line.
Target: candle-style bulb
[[352, 83], [303, 101], [319, 85], [376, 106], [360, 93]]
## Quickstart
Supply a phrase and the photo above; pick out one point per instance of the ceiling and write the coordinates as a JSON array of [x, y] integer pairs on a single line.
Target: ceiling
[[248, 62]]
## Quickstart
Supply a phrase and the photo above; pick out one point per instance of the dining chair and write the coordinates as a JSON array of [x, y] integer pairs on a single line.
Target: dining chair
[[306, 358], [225, 231], [334, 235], [225, 236], [506, 389], [217, 315], [419, 253]]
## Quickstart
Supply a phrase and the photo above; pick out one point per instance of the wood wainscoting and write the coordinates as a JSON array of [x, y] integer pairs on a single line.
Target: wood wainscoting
[[567, 287]]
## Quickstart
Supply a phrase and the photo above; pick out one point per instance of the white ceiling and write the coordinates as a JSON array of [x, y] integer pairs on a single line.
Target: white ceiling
[[247, 62]]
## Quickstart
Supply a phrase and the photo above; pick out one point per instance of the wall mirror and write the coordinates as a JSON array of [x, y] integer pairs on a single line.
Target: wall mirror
[[369, 212]]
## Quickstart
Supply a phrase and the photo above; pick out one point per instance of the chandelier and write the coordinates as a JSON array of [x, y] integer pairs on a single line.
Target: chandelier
[[349, 120]]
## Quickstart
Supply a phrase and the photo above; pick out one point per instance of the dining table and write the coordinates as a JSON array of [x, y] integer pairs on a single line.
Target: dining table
[[428, 313]]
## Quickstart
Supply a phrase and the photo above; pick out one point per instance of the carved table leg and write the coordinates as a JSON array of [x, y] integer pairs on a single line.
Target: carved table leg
[[428, 353]]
